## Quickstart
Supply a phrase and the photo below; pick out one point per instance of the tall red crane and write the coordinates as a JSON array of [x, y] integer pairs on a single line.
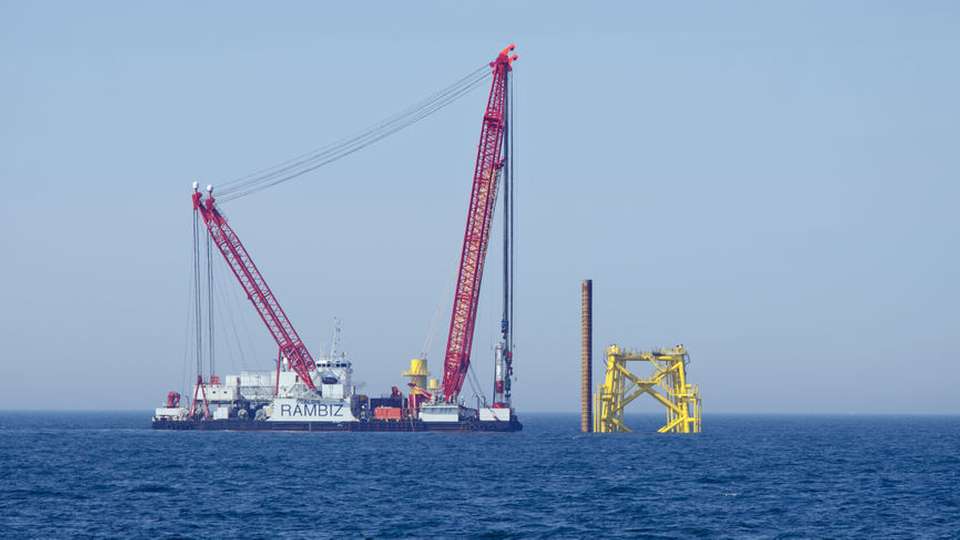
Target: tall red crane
[[259, 293], [477, 233]]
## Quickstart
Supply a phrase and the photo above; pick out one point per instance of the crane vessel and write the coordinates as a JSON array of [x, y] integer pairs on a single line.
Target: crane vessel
[[302, 393]]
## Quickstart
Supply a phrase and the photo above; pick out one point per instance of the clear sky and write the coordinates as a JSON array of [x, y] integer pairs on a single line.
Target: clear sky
[[772, 184]]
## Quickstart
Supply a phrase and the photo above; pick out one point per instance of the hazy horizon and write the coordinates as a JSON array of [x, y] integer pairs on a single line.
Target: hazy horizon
[[772, 185]]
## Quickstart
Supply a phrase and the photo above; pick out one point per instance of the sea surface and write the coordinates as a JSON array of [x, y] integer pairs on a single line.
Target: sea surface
[[109, 475]]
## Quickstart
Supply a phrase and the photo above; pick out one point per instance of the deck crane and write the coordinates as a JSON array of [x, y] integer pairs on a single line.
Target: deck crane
[[477, 232], [241, 264]]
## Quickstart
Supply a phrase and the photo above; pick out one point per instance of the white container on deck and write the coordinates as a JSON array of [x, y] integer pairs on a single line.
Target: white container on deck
[[218, 393], [440, 413], [169, 413]]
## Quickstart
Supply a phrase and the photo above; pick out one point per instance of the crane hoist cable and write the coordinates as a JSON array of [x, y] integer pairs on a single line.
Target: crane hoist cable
[[211, 360], [475, 385], [310, 161], [433, 328], [188, 338], [227, 312]]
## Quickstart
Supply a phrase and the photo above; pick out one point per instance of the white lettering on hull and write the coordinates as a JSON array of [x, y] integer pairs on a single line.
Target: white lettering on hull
[[291, 410]]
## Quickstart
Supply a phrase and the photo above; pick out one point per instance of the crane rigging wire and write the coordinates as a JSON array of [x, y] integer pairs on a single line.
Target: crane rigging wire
[[341, 151], [188, 337], [225, 312], [198, 320], [269, 170], [310, 161], [445, 293]]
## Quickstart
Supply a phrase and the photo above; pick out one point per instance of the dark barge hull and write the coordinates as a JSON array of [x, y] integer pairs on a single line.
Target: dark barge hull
[[234, 424]]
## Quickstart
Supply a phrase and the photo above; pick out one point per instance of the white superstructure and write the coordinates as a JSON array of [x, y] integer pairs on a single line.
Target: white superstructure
[[280, 395]]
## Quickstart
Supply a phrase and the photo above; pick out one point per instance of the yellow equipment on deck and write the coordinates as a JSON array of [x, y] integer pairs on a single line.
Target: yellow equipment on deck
[[417, 373], [667, 384]]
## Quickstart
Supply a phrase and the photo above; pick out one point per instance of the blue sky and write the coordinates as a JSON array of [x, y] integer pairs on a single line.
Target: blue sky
[[772, 184]]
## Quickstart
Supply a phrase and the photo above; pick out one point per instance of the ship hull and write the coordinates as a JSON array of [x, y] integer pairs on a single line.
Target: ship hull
[[233, 424]]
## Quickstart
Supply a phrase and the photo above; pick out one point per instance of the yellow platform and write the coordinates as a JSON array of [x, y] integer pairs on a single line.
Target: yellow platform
[[666, 382]]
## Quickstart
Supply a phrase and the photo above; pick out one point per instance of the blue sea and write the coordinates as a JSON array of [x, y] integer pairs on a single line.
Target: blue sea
[[109, 475]]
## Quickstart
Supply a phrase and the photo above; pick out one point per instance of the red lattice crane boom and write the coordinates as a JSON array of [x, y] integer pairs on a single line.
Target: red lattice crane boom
[[477, 232], [259, 293]]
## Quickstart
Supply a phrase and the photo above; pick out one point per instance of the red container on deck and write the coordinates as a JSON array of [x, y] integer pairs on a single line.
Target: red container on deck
[[387, 413]]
